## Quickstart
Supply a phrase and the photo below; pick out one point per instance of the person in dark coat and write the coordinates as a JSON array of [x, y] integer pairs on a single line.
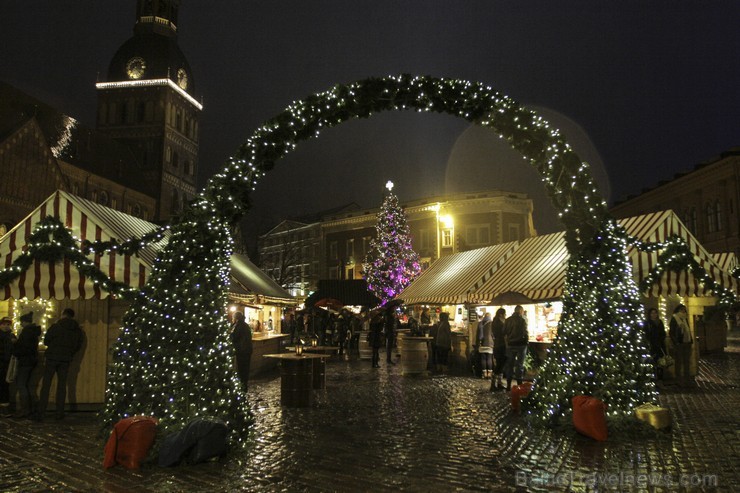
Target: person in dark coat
[[376, 337], [63, 339], [655, 334], [683, 344], [517, 339], [241, 338], [425, 320], [343, 329], [433, 346], [291, 327], [443, 341], [499, 348], [7, 340], [26, 350]]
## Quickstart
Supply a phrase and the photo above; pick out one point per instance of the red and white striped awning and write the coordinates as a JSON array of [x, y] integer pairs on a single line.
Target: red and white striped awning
[[727, 261], [86, 220], [91, 221], [451, 278], [536, 270], [657, 227]]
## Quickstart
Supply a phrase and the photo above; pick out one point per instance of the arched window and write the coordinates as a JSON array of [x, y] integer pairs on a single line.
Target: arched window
[[103, 198], [175, 201], [718, 215]]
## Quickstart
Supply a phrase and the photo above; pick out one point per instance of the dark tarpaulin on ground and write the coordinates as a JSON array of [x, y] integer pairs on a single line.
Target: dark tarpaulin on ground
[[348, 291]]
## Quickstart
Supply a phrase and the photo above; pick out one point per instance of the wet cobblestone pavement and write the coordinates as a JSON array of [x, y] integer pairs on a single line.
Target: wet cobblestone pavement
[[374, 430]]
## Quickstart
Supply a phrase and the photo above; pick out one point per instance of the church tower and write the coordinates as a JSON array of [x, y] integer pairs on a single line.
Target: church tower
[[147, 103]]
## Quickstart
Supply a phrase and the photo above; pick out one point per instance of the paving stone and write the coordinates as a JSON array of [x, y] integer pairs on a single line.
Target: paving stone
[[374, 430]]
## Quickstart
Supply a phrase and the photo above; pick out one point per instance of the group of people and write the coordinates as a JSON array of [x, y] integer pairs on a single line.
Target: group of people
[[328, 328], [502, 346], [63, 340], [680, 334]]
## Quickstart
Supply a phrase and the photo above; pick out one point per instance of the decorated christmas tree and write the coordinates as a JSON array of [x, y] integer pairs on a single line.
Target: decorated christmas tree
[[173, 359], [600, 349], [391, 264]]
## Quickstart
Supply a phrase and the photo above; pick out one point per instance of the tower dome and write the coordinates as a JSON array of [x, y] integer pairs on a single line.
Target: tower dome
[[153, 53]]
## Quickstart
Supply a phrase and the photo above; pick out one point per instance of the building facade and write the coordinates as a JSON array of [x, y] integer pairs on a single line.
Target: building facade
[[148, 104], [338, 241], [142, 157], [43, 150], [706, 199]]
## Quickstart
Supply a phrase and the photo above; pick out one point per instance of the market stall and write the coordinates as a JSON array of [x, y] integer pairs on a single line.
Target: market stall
[[53, 287], [537, 270]]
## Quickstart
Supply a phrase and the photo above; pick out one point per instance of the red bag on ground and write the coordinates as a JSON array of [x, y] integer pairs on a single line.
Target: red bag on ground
[[517, 393], [130, 441], [589, 417]]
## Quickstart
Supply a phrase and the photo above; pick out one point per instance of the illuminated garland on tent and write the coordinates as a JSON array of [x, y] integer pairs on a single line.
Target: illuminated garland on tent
[[676, 256], [52, 242]]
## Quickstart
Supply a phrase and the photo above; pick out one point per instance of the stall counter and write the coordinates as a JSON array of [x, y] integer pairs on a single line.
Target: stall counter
[[265, 343]]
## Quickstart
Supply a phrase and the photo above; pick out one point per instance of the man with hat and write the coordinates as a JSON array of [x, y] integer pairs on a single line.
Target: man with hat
[[7, 339]]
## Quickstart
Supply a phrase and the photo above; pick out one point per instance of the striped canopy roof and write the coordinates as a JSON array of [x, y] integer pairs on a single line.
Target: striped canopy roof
[[449, 279], [91, 221], [657, 227], [537, 268]]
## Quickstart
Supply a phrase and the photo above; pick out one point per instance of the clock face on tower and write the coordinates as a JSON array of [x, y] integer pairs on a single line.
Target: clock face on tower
[[135, 67], [182, 78]]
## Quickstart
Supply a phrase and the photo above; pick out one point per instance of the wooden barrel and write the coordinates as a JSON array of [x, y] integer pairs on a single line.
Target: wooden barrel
[[366, 350], [414, 355], [319, 373], [296, 383]]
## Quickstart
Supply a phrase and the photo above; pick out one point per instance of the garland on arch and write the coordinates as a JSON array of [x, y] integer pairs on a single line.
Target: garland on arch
[[178, 327], [51, 242]]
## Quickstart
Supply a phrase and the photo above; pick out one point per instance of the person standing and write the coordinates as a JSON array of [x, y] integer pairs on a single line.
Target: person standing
[[7, 340], [375, 337], [343, 329], [655, 333], [517, 338], [433, 345], [499, 347], [425, 320], [291, 328], [62, 341], [683, 344], [241, 339], [443, 341], [485, 345], [26, 350]]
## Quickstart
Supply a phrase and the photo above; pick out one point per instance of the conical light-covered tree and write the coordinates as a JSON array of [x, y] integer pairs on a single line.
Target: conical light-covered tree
[[173, 359], [391, 264], [600, 349]]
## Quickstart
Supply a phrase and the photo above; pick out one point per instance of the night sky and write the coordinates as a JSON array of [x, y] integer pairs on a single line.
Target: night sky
[[642, 90]]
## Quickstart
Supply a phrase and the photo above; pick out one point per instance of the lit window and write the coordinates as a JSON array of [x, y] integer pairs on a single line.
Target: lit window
[[446, 238]]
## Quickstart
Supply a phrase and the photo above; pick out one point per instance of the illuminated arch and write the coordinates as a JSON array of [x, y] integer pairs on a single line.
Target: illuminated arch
[[568, 181]]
